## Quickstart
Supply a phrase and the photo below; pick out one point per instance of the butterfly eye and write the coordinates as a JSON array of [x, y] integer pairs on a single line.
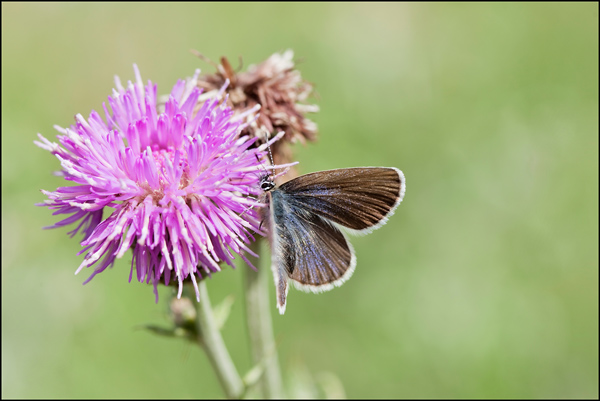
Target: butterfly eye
[[267, 184]]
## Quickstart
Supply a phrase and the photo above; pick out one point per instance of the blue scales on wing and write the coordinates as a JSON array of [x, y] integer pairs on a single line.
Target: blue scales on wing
[[312, 251]]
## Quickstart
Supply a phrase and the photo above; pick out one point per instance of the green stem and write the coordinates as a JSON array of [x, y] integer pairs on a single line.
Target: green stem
[[209, 337], [260, 327]]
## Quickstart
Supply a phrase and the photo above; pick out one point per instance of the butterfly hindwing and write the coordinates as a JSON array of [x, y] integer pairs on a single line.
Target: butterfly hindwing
[[307, 249]]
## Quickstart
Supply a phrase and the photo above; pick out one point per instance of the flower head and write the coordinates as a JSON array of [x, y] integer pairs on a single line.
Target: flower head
[[279, 89], [176, 185]]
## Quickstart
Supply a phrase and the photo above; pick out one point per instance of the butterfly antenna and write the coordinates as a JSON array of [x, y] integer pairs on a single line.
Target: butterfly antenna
[[269, 149], [267, 145], [262, 165]]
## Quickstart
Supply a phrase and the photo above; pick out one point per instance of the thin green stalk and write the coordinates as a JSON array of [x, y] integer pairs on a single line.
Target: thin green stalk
[[209, 337], [260, 327]]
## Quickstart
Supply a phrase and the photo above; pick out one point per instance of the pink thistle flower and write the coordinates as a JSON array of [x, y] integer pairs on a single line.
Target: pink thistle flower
[[182, 184]]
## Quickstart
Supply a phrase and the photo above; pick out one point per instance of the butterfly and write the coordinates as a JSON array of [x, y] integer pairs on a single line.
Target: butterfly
[[303, 218]]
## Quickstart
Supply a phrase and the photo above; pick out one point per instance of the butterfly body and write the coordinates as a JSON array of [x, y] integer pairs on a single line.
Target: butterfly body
[[303, 219]]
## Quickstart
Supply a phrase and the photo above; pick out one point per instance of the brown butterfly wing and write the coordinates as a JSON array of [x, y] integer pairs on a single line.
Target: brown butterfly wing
[[358, 198]]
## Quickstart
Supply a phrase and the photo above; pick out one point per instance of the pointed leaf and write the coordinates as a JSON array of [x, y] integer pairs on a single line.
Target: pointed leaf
[[221, 311]]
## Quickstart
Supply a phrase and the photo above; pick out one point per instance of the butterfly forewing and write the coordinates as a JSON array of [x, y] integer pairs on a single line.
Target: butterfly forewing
[[357, 198]]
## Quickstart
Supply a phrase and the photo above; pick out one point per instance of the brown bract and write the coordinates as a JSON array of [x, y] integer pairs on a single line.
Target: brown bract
[[280, 91]]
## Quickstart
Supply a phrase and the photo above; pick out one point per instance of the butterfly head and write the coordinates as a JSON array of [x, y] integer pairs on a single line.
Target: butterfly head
[[267, 183]]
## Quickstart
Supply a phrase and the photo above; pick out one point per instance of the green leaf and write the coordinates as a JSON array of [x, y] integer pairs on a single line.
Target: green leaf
[[301, 384], [176, 332], [253, 376], [331, 385], [222, 310]]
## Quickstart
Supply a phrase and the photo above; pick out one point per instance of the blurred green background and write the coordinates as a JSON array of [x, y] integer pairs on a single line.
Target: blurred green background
[[483, 284]]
